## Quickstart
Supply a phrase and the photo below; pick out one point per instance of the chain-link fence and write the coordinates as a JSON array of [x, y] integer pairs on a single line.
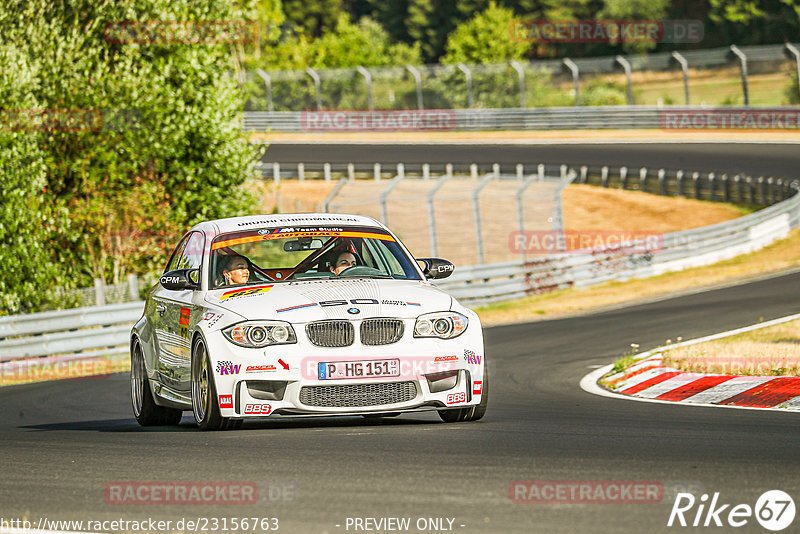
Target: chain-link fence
[[750, 75], [100, 294]]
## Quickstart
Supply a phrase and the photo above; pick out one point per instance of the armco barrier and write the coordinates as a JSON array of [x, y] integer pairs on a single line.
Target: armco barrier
[[103, 331], [74, 334], [552, 118], [676, 251]]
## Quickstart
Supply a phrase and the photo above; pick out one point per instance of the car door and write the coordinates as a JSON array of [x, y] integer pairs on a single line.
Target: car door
[[175, 317]]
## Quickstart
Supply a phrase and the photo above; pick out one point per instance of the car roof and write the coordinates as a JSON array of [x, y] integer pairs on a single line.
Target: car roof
[[234, 224]]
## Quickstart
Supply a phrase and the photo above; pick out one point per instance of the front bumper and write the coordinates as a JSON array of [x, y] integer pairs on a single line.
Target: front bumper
[[282, 380]]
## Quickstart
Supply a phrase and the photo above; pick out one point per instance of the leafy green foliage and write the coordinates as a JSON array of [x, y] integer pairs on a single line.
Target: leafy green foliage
[[486, 38], [634, 10], [604, 93], [153, 143], [29, 271], [315, 18]]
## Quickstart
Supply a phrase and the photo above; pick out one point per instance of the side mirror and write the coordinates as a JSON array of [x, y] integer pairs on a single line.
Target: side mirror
[[180, 279], [436, 267]]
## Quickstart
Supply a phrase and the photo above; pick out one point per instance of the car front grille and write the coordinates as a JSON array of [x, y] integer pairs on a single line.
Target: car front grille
[[352, 395], [331, 333], [381, 331]]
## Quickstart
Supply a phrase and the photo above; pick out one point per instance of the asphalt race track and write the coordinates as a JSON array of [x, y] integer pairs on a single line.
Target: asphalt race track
[[779, 160], [63, 442]]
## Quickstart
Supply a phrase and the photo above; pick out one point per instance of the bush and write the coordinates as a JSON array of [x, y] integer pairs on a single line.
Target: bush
[[29, 269], [162, 149], [604, 93]]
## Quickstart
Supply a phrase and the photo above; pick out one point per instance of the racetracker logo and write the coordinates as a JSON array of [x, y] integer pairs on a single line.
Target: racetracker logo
[[774, 510], [356, 367], [378, 121], [169, 32], [585, 491], [55, 368], [607, 31], [584, 241], [720, 119], [186, 493], [69, 120]]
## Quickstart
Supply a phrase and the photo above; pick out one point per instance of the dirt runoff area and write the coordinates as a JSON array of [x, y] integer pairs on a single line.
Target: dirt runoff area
[[771, 351], [585, 207]]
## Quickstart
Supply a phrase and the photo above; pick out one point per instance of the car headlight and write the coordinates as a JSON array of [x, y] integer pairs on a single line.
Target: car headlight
[[257, 334], [444, 325]]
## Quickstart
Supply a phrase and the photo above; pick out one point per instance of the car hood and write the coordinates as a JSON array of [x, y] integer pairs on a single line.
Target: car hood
[[315, 300]]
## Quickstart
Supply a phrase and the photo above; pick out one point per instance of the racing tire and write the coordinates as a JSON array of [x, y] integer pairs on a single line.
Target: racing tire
[[145, 409], [205, 402], [472, 413]]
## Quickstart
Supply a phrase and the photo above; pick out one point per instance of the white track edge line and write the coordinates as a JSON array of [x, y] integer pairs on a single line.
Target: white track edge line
[[589, 382]]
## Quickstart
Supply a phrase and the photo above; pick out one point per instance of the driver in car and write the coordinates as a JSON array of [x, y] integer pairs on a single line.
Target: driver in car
[[236, 270], [345, 260]]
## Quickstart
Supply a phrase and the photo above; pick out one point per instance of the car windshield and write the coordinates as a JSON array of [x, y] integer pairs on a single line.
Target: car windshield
[[301, 253]]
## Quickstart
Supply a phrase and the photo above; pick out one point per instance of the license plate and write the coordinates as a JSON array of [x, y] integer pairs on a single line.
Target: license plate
[[358, 369]]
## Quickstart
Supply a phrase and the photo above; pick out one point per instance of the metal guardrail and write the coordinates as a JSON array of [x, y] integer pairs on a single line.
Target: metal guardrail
[[483, 284], [77, 332], [552, 118], [102, 331]]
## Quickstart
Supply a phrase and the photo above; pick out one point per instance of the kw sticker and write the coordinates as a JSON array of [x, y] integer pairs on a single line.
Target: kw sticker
[[225, 367]]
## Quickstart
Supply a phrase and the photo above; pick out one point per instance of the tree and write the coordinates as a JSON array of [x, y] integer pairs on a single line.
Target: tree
[[29, 270], [147, 134], [365, 43], [755, 21], [316, 18], [626, 10], [486, 38]]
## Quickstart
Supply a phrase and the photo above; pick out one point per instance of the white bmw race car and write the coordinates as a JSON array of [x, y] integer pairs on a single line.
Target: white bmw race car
[[303, 315]]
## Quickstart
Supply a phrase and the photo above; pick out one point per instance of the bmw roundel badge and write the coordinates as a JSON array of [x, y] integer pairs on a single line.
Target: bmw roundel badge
[[353, 311]]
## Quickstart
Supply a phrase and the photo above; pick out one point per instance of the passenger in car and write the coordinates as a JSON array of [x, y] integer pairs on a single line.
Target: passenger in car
[[236, 270], [345, 260]]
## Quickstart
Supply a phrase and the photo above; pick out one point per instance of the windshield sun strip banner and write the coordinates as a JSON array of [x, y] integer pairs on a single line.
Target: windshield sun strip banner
[[287, 235]]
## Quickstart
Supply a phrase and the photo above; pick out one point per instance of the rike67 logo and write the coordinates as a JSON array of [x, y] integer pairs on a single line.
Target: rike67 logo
[[774, 510]]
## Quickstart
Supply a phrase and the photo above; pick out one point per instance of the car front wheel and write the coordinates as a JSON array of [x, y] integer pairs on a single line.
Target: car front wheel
[[205, 403], [472, 413]]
